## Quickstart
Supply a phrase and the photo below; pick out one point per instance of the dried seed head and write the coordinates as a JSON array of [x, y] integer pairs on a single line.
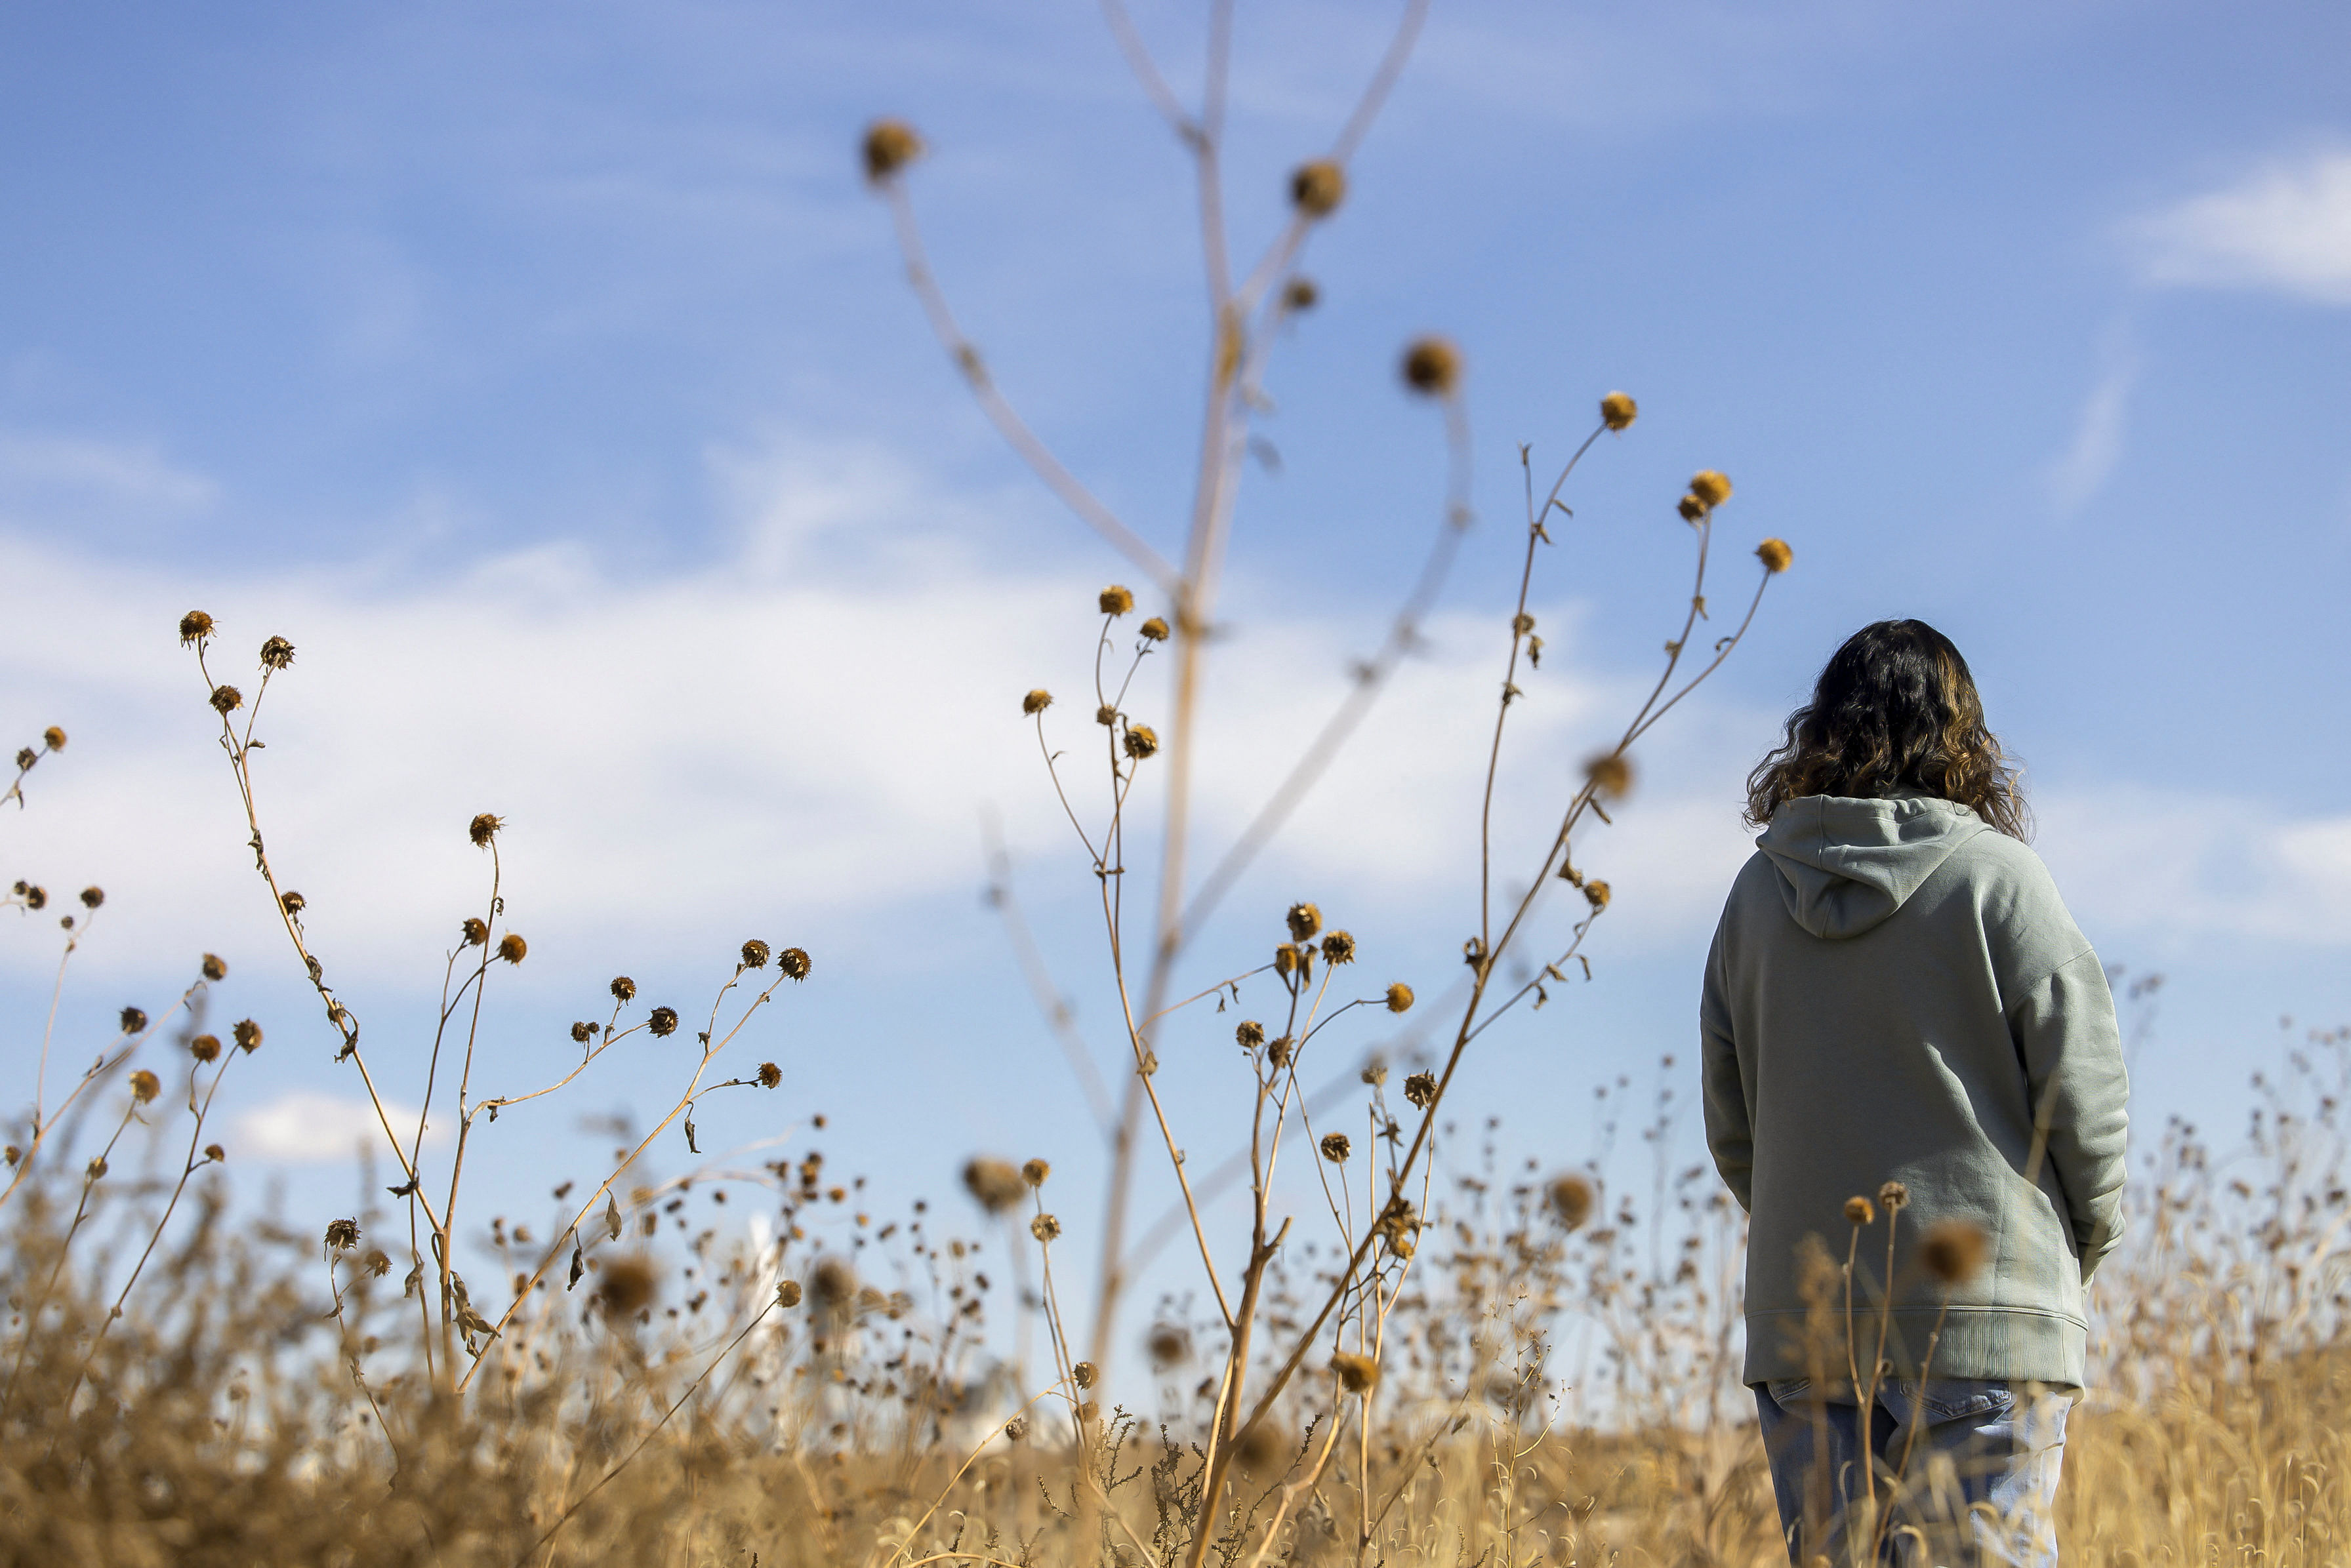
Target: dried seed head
[[145, 1085], [625, 1286], [134, 1019], [276, 653], [214, 967], [1035, 1171], [1045, 1227], [1690, 508], [1141, 741], [248, 1035], [1105, 715], [215, 1153], [1169, 1344], [1709, 487], [53, 739], [1300, 294], [1251, 1034], [834, 1283], [993, 1184], [1611, 776], [1153, 630], [13, 1154], [1596, 893], [794, 962], [293, 903], [1893, 1195], [473, 932], [1953, 1251], [92, 898], [512, 947], [1304, 919], [754, 954], [193, 626], [1432, 367], [1375, 1071], [1339, 948], [1775, 554], [661, 1021], [226, 699], [1286, 959], [1617, 410], [1116, 600], [1037, 701], [1399, 998], [1420, 1088], [770, 1074], [1521, 624], [889, 146], [625, 990], [98, 1167], [484, 827], [35, 897], [1316, 189], [1084, 1374], [204, 1047], [342, 1235], [1336, 1148], [787, 1293], [1016, 1429], [1570, 1199], [1357, 1374], [1859, 1211], [1278, 1051], [581, 1033], [25, 758]]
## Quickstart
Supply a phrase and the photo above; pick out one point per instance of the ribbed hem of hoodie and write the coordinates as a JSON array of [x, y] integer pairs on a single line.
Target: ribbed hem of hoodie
[[1991, 1343]]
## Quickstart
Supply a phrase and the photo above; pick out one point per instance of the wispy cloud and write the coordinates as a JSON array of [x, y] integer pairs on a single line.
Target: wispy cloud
[[2284, 227], [48, 475], [304, 1126], [2098, 446]]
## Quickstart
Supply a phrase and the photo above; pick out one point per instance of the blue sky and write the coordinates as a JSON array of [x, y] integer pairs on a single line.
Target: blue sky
[[549, 376]]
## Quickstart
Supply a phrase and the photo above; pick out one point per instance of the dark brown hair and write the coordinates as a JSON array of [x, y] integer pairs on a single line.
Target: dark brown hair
[[1895, 709]]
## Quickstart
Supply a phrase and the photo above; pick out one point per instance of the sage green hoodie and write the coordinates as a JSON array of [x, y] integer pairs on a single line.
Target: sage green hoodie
[[1895, 991]]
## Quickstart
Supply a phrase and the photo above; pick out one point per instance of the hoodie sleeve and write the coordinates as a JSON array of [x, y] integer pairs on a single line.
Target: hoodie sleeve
[[2071, 1047], [1729, 1133]]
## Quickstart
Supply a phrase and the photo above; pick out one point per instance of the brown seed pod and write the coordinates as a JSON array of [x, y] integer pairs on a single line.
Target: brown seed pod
[[1859, 1211], [1037, 701], [1420, 1088], [215, 1153], [1084, 1374], [1116, 600], [1169, 1344], [1336, 1147], [512, 947], [1316, 189], [1775, 555], [473, 932], [194, 626], [1338, 946], [1399, 998], [1596, 893], [53, 739], [1710, 487], [134, 1019], [1035, 1171], [1300, 294], [145, 1085], [214, 967], [787, 1293], [276, 653], [1893, 1195], [1570, 1199], [342, 1235], [1141, 740], [1251, 1034], [1305, 919], [889, 146], [248, 1035], [484, 827], [205, 1047], [794, 962], [754, 954], [92, 898], [1045, 1227], [293, 903], [770, 1074], [625, 1286], [625, 990], [1610, 775], [226, 699], [581, 1033], [1617, 410], [1690, 508], [1153, 630], [1432, 367], [661, 1021]]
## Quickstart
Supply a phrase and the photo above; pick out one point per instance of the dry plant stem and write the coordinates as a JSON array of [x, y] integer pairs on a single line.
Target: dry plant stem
[[49, 1028], [970, 1459], [98, 1072], [48, 1287], [1917, 1412], [1051, 1002], [464, 1119], [1300, 1487], [1885, 1322]]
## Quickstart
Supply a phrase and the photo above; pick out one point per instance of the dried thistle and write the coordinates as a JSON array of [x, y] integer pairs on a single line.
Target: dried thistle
[[625, 990], [1251, 1034], [226, 699], [1399, 998], [1336, 1147], [1316, 189], [1420, 1088], [145, 1087], [770, 1075], [1115, 601], [1953, 1251], [512, 947], [1570, 1199], [889, 146], [1859, 1211], [1617, 410], [1710, 487], [205, 1047], [132, 1020], [1610, 775], [794, 963], [1338, 946], [993, 1184], [1775, 555], [1045, 1227], [473, 931], [1432, 367], [1141, 741], [661, 1021], [342, 1235], [754, 954], [194, 626], [484, 827], [214, 967], [1357, 1374], [1035, 1171], [1037, 701], [1153, 630], [276, 653], [248, 1035], [1304, 919]]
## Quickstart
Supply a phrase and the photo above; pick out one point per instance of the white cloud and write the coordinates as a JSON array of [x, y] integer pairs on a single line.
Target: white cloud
[[304, 1126], [2184, 865], [46, 473], [2284, 227], [2098, 446]]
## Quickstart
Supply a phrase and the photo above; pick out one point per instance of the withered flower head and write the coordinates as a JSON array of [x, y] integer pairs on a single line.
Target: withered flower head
[[1141, 740], [474, 932], [754, 954], [1611, 775], [25, 758], [204, 1047], [1357, 1374], [834, 1282], [248, 1035], [1596, 893], [1035, 1171], [92, 898], [1304, 919], [1278, 1051], [1859, 1211], [1709, 487], [1375, 1071], [293, 903], [1037, 701], [1953, 1251], [1338, 946], [1285, 959], [1775, 554], [993, 1184], [215, 966], [625, 990], [1016, 1429], [1169, 1344], [193, 625], [134, 1019], [1893, 1195], [1420, 1088], [624, 1286], [582, 1032], [1300, 294], [276, 653], [1690, 508], [1105, 715], [1316, 189], [1432, 367], [1153, 630], [512, 947], [13, 1154], [1116, 600], [794, 962], [215, 1153], [770, 1075], [226, 699], [35, 897], [889, 146], [787, 1293], [1570, 1199], [145, 1085], [1399, 998], [376, 1264], [53, 739], [98, 1167], [484, 827], [662, 1020], [1084, 1374], [1617, 410], [1045, 1227], [1251, 1034], [342, 1235], [1336, 1147]]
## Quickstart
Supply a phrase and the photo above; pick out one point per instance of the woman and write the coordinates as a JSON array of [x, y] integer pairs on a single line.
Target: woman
[[1898, 1004]]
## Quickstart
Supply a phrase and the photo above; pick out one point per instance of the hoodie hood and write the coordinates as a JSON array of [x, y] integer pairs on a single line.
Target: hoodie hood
[[1846, 865]]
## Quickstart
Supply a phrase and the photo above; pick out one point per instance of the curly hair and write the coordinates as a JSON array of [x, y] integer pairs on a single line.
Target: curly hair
[[1895, 711]]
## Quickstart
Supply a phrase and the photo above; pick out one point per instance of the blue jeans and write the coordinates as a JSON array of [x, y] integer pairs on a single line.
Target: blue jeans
[[1981, 1487]]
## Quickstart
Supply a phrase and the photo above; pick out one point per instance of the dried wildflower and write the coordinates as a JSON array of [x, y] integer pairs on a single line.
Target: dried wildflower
[[145, 1085], [1300, 294], [25, 758], [754, 954], [1859, 1211], [293, 903], [376, 1264], [92, 898], [226, 699], [1339, 948], [1617, 410], [215, 1153], [1953, 1251], [248, 1035], [1279, 1051], [1690, 508], [1037, 701], [1893, 1195], [1610, 775], [624, 1286], [662, 1020], [1432, 367], [1336, 1147], [794, 962], [770, 1075], [1420, 1088], [1775, 555], [582, 1032], [1141, 741], [1304, 919], [134, 1019], [889, 146], [1016, 1429], [473, 932], [1521, 624], [1169, 1344], [1035, 1171], [342, 1235], [1105, 715], [834, 1283], [1570, 1199], [512, 947], [1709, 487], [1116, 600], [35, 897], [484, 827], [1375, 1071], [1357, 1374], [1045, 1227], [787, 1293], [53, 739], [276, 653], [1084, 1374], [214, 967], [1251, 1035], [204, 1047], [1398, 1226], [1596, 893], [625, 990], [1316, 189], [993, 1184], [193, 626], [98, 1167], [1399, 998], [1286, 959], [1153, 630]]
